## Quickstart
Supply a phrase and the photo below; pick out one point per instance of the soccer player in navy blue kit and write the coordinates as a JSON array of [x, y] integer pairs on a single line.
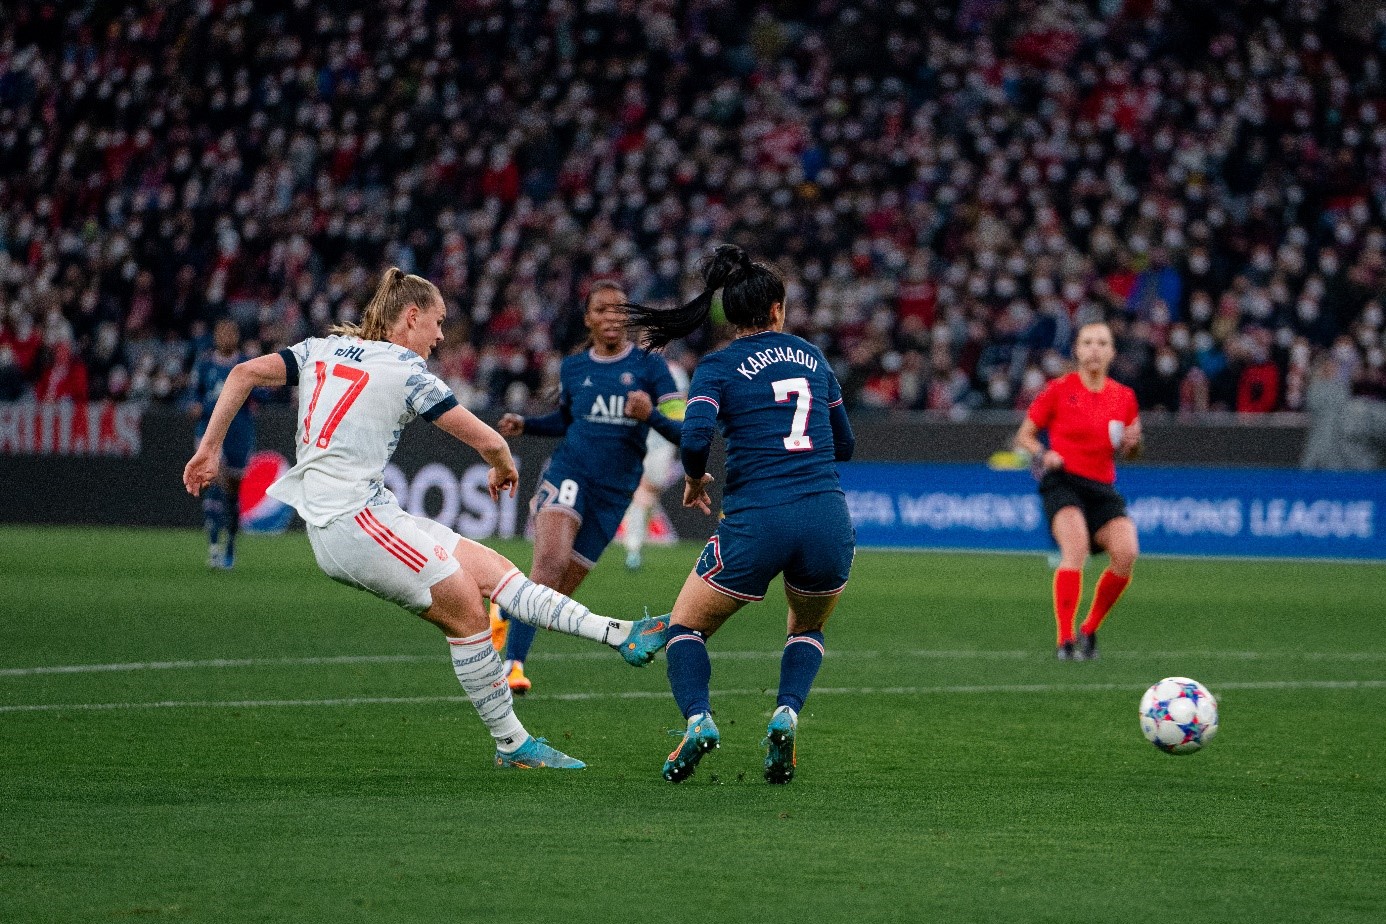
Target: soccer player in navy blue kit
[[221, 501], [779, 407], [611, 395]]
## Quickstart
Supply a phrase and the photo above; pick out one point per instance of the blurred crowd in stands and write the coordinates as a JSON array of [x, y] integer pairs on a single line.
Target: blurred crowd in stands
[[950, 188]]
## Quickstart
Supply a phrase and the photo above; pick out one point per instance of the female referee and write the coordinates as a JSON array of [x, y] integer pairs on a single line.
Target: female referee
[[1090, 419], [779, 407], [360, 387], [604, 415]]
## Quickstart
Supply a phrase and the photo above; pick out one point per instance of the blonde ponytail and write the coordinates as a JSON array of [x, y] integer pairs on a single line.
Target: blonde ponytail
[[396, 292]]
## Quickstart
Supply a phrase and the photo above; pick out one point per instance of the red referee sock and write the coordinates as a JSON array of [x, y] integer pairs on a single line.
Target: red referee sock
[[1068, 590], [1109, 589]]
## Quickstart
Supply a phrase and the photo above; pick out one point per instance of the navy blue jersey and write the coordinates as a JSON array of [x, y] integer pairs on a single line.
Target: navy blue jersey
[[208, 377], [780, 409], [600, 443]]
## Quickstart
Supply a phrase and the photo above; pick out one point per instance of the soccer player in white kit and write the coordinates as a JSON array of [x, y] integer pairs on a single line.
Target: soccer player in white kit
[[359, 387]]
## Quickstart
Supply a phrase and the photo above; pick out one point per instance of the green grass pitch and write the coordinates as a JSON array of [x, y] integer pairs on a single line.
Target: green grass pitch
[[311, 758]]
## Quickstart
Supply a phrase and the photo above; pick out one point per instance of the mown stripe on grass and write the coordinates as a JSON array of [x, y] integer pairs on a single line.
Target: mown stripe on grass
[[651, 694], [1025, 654]]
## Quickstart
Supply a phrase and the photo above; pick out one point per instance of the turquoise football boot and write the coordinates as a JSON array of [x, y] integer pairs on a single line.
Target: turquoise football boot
[[647, 637], [535, 754], [780, 756], [700, 737]]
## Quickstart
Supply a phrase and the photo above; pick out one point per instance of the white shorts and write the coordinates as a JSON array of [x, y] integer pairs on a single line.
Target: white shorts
[[659, 464], [391, 553]]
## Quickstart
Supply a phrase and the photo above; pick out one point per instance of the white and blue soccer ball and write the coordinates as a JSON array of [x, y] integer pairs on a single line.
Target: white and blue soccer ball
[[1179, 715]]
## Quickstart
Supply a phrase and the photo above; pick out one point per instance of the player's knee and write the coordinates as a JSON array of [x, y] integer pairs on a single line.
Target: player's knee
[[485, 565], [456, 617], [1073, 551]]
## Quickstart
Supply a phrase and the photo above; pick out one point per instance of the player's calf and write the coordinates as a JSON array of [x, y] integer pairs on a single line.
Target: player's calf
[[545, 608]]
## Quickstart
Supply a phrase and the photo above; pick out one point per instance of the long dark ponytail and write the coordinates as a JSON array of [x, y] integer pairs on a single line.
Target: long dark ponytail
[[748, 290]]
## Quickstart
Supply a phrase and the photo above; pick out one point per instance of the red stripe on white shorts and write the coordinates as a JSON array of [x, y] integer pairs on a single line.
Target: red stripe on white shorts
[[387, 533], [390, 542]]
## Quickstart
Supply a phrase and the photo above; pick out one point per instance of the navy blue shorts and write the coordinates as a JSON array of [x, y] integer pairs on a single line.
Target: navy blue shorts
[[810, 541], [238, 445], [598, 510]]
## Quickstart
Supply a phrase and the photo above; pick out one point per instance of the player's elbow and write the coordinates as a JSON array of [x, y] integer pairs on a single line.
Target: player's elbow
[[242, 375], [695, 439], [485, 439], [490, 442], [267, 370]]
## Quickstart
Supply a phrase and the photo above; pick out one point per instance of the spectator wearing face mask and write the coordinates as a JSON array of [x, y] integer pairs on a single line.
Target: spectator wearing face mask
[[64, 377], [1258, 384], [1131, 171], [1158, 389], [25, 341]]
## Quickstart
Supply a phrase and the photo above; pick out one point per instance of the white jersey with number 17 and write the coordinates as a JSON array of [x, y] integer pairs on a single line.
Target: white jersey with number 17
[[354, 399]]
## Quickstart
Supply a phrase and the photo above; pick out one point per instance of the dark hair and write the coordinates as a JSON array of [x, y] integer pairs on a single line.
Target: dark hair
[[601, 285], [748, 291]]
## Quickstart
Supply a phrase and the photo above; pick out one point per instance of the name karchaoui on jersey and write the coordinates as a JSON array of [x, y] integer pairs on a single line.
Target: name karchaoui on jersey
[[354, 399], [762, 359]]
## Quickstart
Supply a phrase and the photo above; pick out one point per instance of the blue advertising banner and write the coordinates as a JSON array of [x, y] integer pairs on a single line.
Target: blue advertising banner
[[1177, 511]]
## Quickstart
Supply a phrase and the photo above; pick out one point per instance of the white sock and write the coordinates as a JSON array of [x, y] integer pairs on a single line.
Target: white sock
[[545, 608], [635, 526], [793, 716], [478, 669]]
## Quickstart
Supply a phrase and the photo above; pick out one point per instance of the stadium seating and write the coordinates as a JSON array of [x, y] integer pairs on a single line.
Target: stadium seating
[[951, 188]]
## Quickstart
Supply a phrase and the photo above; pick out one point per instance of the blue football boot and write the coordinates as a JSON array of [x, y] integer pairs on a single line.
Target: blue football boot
[[780, 756], [700, 737], [647, 637], [535, 754]]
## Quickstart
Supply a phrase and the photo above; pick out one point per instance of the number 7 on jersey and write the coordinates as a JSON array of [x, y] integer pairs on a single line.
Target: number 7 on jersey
[[798, 439], [358, 379]]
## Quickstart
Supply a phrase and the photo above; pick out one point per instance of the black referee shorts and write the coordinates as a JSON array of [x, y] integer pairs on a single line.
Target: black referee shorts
[[1099, 502]]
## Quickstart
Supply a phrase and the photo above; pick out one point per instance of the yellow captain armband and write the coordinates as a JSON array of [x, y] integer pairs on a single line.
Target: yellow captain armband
[[673, 408]]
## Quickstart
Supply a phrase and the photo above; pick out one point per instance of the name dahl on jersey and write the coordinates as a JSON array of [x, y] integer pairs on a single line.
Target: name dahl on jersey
[[762, 358]]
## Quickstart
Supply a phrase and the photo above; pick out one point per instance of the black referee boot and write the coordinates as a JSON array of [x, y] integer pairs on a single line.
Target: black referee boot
[[1087, 646]]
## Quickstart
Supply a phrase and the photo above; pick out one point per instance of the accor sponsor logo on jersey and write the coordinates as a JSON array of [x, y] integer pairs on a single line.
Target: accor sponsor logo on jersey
[[762, 358]]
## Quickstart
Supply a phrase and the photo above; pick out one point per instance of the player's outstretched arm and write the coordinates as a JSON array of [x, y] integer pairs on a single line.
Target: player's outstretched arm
[[268, 370], [470, 429]]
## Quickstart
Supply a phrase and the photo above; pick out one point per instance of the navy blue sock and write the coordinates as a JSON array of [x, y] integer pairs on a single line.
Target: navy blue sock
[[803, 655], [233, 514], [214, 511], [519, 639], [690, 671]]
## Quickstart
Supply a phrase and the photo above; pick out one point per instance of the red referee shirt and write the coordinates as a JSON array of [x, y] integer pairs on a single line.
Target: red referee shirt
[[1079, 423]]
